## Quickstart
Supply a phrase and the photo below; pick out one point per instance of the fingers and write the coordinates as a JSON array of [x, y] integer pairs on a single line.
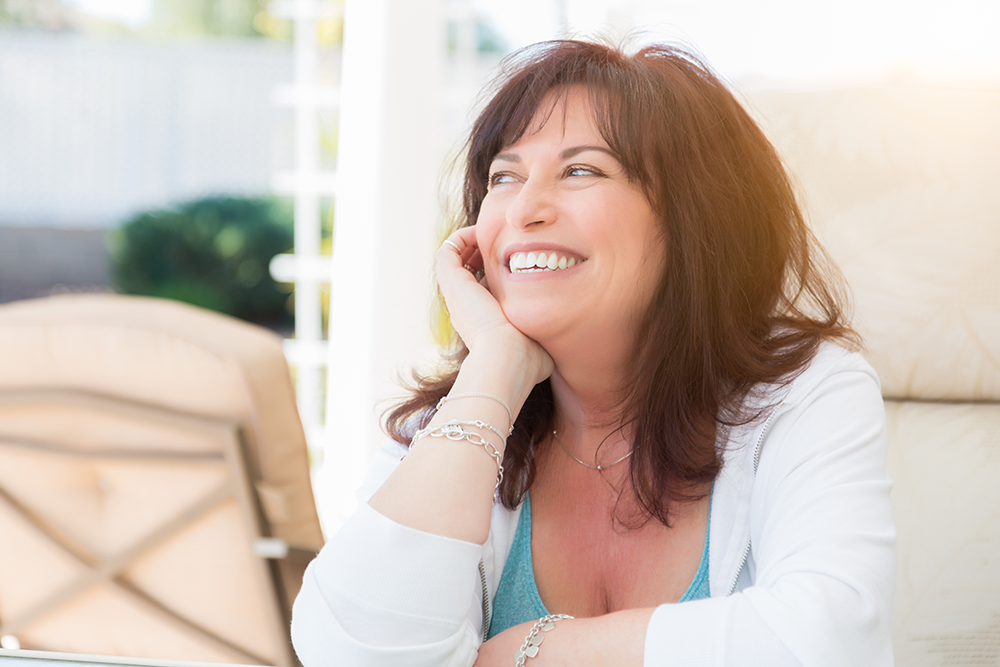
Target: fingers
[[474, 264], [460, 249], [461, 241], [460, 276]]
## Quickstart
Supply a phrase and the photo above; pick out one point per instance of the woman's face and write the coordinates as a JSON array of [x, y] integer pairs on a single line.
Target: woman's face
[[570, 246]]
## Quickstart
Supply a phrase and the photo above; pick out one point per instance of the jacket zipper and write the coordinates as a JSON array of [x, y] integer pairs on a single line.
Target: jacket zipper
[[756, 462], [486, 601]]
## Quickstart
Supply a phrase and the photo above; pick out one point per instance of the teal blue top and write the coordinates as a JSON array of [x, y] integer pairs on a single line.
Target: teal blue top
[[517, 600]]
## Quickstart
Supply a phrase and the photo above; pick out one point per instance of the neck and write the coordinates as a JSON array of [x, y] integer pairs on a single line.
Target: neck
[[586, 388], [588, 423], [589, 375]]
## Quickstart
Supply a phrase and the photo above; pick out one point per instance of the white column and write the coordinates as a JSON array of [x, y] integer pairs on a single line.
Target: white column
[[389, 158], [305, 268], [308, 311]]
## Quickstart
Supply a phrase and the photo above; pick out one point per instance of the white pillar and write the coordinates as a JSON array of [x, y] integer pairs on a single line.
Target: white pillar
[[308, 310], [305, 268], [389, 157]]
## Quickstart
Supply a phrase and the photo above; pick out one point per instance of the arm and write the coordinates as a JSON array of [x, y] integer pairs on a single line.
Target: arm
[[823, 543], [446, 487], [399, 583], [613, 639], [823, 550]]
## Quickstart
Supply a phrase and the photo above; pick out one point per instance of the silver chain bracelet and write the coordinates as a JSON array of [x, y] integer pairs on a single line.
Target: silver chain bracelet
[[481, 394], [529, 649], [454, 430]]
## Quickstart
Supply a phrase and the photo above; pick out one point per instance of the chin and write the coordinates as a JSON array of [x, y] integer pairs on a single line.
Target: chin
[[536, 322]]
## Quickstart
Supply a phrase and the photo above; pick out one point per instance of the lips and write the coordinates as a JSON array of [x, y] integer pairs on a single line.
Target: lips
[[541, 260]]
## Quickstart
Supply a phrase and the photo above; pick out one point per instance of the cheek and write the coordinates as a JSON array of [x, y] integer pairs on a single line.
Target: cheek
[[487, 231]]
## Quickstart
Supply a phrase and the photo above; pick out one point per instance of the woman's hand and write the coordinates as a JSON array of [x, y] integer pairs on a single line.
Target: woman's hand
[[475, 313], [444, 487]]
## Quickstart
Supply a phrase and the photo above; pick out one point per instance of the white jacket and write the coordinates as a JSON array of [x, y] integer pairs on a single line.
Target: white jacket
[[801, 553]]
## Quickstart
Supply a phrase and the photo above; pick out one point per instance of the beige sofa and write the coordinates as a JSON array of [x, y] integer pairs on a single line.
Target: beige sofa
[[155, 498], [903, 187]]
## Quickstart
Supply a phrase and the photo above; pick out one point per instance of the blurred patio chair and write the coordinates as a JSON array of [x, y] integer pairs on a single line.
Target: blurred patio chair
[[155, 499], [902, 187]]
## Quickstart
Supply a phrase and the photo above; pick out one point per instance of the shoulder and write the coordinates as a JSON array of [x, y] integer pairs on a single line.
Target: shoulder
[[812, 498], [836, 388], [831, 414], [831, 361]]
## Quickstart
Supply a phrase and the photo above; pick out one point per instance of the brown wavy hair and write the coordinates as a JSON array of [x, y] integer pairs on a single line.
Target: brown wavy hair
[[745, 297]]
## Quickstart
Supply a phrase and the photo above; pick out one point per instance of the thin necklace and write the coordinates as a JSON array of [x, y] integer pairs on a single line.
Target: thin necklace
[[584, 463]]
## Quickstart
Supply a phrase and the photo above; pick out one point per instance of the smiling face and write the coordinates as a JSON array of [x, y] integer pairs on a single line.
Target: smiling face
[[570, 245]]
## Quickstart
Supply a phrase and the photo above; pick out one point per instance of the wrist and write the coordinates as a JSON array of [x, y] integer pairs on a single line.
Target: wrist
[[508, 371], [533, 640]]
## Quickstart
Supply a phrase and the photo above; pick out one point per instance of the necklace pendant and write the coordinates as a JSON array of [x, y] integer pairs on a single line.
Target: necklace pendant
[[598, 468]]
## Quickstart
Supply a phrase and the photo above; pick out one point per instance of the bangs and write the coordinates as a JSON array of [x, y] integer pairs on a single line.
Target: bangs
[[533, 84]]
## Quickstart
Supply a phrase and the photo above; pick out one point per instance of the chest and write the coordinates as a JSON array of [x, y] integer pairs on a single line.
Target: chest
[[586, 564]]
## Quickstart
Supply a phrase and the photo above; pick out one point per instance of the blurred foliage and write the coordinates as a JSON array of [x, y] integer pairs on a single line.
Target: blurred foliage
[[212, 253], [329, 30], [204, 17], [326, 248], [169, 18], [477, 35], [50, 15]]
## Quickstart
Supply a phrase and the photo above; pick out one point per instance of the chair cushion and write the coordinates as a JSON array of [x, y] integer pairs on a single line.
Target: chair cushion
[[144, 446], [178, 357]]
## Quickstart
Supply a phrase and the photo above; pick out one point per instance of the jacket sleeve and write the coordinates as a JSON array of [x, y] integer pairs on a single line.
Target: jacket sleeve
[[823, 546], [380, 593]]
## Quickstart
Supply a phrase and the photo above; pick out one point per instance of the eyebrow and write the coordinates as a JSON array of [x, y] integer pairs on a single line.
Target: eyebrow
[[576, 150], [565, 155]]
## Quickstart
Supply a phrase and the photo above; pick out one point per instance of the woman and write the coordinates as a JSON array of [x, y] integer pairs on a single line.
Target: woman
[[696, 471]]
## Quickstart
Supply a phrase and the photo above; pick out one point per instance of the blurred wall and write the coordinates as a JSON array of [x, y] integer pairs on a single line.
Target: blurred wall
[[38, 261], [93, 131]]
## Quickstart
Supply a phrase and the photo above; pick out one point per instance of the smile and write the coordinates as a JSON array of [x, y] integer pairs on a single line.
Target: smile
[[528, 262]]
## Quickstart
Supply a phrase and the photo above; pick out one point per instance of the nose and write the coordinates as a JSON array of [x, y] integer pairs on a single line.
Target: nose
[[534, 205]]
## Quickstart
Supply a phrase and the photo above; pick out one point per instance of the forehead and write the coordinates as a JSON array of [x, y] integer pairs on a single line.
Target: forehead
[[566, 114]]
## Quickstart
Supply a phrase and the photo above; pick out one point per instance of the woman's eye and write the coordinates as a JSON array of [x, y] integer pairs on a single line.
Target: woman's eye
[[580, 170], [499, 177]]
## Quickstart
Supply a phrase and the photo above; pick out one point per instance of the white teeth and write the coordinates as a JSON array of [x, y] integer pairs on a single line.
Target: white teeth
[[540, 261]]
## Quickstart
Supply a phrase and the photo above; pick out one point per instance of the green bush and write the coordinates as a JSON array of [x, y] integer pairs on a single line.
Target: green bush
[[212, 253]]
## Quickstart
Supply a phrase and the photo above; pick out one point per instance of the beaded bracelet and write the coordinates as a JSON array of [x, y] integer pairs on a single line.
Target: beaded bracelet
[[529, 649], [480, 394], [454, 430]]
